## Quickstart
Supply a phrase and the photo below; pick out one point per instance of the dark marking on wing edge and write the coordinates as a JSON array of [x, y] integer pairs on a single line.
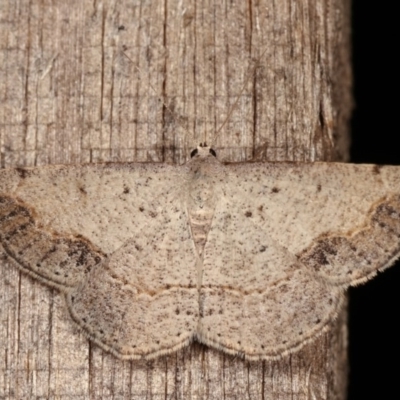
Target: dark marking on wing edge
[[22, 172], [342, 258], [377, 169], [57, 260]]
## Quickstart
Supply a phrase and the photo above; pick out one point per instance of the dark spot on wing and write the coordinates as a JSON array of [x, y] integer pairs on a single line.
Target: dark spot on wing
[[275, 190], [319, 187], [22, 172], [317, 258], [248, 214], [376, 169], [385, 210], [126, 190]]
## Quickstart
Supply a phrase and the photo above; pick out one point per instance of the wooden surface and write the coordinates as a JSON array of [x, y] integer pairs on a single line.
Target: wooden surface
[[69, 95]]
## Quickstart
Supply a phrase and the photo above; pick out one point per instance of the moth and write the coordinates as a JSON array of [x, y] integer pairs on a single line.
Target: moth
[[251, 259]]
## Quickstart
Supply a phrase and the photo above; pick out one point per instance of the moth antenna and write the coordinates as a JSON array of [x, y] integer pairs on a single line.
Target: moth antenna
[[232, 109], [158, 97]]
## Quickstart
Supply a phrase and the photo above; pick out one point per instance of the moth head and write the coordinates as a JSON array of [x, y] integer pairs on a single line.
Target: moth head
[[203, 151]]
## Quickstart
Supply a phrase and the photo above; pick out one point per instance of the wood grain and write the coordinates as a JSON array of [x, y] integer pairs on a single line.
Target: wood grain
[[69, 95]]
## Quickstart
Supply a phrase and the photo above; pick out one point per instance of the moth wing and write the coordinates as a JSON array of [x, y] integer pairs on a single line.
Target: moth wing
[[342, 221], [133, 287], [142, 302], [57, 260], [256, 298], [285, 239], [56, 222]]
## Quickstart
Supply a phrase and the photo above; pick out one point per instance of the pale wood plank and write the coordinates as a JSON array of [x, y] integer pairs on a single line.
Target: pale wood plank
[[70, 96]]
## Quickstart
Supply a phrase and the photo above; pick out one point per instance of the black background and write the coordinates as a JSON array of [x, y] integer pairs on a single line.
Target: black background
[[374, 307]]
